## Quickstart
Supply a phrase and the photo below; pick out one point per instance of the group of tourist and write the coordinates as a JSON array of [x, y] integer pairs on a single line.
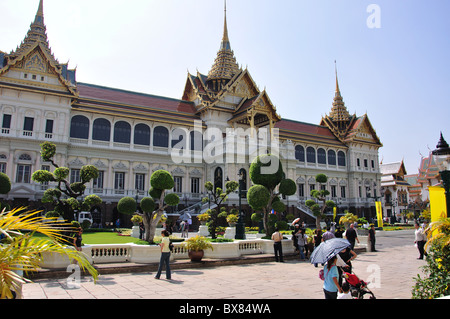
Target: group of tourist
[[333, 269]]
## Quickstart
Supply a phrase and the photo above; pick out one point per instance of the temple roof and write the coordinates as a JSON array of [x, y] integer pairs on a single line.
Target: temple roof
[[35, 35], [306, 132], [225, 65], [95, 98]]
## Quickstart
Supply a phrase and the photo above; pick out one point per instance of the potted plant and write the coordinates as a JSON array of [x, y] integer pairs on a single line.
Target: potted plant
[[196, 246], [136, 219], [232, 219], [347, 219], [203, 218]]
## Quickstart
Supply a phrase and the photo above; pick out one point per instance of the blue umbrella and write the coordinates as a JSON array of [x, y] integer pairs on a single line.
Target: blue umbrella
[[328, 249]]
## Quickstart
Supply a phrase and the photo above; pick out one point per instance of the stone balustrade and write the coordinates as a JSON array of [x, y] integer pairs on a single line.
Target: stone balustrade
[[146, 254]]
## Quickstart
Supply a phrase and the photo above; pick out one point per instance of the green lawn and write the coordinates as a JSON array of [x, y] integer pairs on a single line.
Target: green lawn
[[100, 238], [107, 238]]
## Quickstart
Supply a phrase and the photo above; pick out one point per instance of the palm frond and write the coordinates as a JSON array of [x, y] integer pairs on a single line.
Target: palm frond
[[22, 252]]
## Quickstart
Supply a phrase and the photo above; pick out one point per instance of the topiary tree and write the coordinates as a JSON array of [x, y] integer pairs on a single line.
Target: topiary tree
[[320, 195], [152, 207], [73, 191], [266, 173], [219, 198], [5, 187]]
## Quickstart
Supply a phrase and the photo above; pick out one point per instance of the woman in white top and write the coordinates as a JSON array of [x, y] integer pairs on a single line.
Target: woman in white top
[[165, 255]]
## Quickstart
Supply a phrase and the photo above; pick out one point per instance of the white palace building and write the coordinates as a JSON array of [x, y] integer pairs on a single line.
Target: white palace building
[[128, 135]]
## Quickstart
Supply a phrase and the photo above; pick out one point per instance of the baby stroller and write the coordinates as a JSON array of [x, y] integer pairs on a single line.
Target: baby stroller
[[358, 288]]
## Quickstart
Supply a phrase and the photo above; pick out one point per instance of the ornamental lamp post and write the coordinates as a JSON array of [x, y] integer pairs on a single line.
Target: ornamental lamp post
[[240, 225], [442, 159]]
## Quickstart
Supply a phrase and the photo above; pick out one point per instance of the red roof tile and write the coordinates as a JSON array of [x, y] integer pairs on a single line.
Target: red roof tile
[[89, 91]]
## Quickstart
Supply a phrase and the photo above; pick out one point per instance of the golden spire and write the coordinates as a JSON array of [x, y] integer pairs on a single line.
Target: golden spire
[[36, 34], [225, 65], [339, 112]]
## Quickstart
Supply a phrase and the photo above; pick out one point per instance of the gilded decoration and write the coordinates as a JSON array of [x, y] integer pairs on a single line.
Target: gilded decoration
[[35, 63]]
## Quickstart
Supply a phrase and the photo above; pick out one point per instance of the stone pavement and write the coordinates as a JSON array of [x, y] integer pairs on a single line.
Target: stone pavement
[[391, 270]]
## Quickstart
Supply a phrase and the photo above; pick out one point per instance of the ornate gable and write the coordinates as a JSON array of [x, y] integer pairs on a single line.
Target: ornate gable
[[32, 64], [362, 132]]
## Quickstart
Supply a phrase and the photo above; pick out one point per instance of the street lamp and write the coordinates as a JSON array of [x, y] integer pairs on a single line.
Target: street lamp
[[240, 225], [442, 158]]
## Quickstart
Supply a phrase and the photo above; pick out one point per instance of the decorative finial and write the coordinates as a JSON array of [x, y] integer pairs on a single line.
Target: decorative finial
[[337, 82]]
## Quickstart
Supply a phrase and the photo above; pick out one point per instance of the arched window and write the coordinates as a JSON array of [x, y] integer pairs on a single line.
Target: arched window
[[331, 157], [341, 158], [122, 132], [24, 157], [310, 155], [142, 135], [243, 181], [300, 153], [179, 139], [218, 178], [196, 141], [161, 137], [321, 156], [79, 127], [101, 130]]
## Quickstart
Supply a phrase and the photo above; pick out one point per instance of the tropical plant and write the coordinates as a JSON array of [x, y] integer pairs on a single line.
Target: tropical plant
[[348, 218], [204, 217], [152, 207], [232, 218], [21, 251], [320, 195], [426, 215], [65, 206], [197, 243], [266, 173], [136, 219], [219, 197], [5, 187], [436, 282]]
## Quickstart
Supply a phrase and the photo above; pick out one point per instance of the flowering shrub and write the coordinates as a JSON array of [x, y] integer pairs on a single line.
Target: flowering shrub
[[436, 282]]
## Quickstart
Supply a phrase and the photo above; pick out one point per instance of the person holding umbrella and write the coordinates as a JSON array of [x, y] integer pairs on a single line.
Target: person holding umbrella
[[331, 285], [327, 252]]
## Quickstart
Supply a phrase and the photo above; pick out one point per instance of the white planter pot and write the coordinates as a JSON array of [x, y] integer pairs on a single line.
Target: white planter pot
[[135, 231], [230, 233], [203, 231]]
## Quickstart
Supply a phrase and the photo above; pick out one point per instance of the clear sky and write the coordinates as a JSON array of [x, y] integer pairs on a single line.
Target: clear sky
[[399, 73]]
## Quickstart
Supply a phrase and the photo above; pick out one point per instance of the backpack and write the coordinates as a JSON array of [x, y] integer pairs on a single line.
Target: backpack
[[171, 246], [322, 273]]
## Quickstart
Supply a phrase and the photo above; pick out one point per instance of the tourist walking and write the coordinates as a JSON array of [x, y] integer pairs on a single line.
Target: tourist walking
[[328, 234], [372, 237], [302, 241], [141, 230], [165, 255], [352, 235], [277, 238], [77, 239], [294, 237], [347, 255], [338, 233], [331, 285], [420, 240], [317, 239], [184, 233]]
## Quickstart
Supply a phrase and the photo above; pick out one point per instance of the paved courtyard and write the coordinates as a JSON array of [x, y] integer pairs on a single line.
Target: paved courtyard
[[391, 270]]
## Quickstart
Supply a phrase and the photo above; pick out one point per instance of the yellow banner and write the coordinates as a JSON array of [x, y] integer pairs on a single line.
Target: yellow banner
[[334, 213], [438, 205], [379, 214]]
